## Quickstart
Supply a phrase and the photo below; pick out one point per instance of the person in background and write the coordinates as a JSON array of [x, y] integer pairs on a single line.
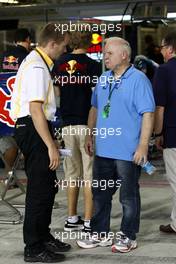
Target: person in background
[[75, 71], [10, 61], [164, 85], [152, 50], [145, 65]]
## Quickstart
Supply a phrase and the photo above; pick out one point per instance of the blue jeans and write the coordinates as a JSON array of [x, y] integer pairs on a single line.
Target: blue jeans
[[107, 174]]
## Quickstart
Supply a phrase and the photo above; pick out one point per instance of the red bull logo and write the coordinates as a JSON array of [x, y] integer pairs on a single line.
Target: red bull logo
[[10, 59], [72, 66], [6, 88], [96, 46], [96, 38], [10, 63]]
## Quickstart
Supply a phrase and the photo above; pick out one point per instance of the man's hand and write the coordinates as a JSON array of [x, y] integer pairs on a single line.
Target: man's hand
[[42, 128], [89, 145], [56, 144], [158, 127], [140, 155], [159, 142], [89, 148], [54, 157]]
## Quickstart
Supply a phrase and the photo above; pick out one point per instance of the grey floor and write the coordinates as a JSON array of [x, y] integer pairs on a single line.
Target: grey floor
[[153, 246]]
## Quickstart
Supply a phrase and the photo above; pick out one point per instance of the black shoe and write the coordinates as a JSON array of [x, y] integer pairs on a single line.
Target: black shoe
[[79, 225], [86, 229], [167, 229], [56, 246], [44, 257]]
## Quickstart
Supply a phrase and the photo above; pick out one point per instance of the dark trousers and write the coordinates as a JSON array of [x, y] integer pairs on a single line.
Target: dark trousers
[[109, 173], [41, 188]]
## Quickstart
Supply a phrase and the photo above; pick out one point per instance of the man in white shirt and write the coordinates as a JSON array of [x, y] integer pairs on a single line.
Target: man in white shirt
[[33, 107]]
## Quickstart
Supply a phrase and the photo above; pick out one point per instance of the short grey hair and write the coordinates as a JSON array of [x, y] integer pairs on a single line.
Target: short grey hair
[[125, 44]]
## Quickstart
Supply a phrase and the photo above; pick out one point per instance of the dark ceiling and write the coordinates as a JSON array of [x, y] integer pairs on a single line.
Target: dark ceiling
[[38, 10]]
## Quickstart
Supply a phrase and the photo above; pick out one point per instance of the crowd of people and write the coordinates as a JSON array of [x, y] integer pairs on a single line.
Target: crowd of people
[[129, 102]]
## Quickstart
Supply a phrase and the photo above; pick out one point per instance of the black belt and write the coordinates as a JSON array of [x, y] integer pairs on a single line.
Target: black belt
[[28, 117], [20, 118]]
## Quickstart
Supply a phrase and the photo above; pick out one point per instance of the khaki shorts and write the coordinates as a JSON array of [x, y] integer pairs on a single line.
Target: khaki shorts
[[79, 165], [6, 143]]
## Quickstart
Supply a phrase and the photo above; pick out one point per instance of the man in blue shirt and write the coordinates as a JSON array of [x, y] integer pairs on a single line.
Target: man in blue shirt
[[121, 118]]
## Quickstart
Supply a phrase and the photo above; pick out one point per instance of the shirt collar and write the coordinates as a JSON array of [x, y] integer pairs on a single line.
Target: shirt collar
[[172, 58], [21, 47], [46, 58], [110, 76], [125, 74]]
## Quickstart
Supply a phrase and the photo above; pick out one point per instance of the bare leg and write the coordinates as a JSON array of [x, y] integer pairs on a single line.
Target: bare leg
[[88, 202], [10, 156], [72, 196]]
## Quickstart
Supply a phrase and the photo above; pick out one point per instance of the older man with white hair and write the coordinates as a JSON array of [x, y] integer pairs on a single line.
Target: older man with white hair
[[123, 106]]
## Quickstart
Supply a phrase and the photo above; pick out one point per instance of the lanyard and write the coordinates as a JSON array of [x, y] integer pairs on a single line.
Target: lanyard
[[44, 62], [119, 81], [106, 108], [112, 89]]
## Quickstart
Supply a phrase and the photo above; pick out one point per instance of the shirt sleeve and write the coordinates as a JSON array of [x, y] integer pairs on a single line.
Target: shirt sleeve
[[159, 86], [37, 83], [144, 99], [94, 97]]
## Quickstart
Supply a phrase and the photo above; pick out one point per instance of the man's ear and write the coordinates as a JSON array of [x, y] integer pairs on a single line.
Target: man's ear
[[124, 55], [28, 40], [171, 50], [51, 44]]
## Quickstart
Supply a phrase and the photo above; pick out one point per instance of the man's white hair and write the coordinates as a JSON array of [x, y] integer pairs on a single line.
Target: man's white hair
[[125, 44]]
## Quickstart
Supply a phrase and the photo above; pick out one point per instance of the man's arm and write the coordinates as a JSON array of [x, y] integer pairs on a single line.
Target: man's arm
[[160, 82], [158, 126], [57, 90], [91, 124], [146, 131], [41, 126]]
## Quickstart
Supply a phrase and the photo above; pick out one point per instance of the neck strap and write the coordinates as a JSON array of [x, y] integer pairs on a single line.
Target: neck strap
[[125, 71], [44, 62]]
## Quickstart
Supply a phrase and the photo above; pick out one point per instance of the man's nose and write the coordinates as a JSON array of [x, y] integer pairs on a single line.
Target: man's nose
[[105, 56]]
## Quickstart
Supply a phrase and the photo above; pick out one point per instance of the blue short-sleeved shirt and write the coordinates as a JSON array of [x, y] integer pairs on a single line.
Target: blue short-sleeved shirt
[[118, 135]]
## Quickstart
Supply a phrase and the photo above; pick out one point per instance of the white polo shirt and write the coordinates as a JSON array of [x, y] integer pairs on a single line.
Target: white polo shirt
[[33, 83]]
